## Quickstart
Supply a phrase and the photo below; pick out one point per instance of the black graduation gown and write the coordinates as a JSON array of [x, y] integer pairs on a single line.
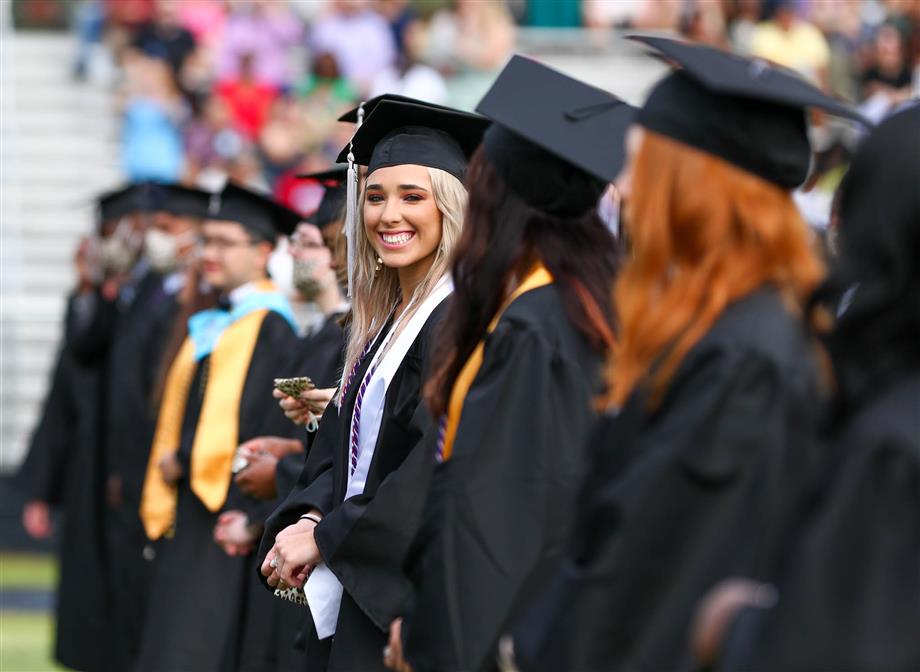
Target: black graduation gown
[[499, 512], [197, 600], [140, 328], [364, 539], [849, 589], [274, 626], [63, 467], [683, 496]]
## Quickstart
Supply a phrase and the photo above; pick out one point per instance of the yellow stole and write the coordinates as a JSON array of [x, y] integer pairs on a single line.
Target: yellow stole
[[538, 277], [217, 432]]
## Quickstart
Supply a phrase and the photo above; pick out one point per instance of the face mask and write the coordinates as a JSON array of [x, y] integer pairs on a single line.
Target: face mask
[[304, 281], [162, 249]]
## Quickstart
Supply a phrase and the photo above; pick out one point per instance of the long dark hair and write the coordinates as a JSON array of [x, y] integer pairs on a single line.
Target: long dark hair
[[501, 236], [877, 336]]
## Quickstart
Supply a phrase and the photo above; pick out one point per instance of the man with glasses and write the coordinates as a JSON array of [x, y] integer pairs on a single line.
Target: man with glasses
[[217, 395]]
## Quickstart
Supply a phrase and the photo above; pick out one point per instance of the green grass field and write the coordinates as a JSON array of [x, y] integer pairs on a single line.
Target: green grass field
[[26, 637]]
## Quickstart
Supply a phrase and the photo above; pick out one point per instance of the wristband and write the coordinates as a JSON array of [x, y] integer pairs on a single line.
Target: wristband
[[311, 516]]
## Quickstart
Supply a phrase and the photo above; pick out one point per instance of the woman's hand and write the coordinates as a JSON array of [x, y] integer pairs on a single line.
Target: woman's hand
[[310, 405], [718, 610], [171, 468], [36, 519], [258, 479], [294, 409], [293, 556], [317, 399], [234, 534], [392, 652]]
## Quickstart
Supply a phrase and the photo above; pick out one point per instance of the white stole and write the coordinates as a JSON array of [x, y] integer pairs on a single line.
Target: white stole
[[323, 589]]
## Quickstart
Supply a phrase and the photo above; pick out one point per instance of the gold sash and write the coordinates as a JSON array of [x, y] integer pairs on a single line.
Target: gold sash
[[538, 277], [217, 433]]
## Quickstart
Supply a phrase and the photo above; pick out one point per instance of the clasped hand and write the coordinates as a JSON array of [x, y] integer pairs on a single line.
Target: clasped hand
[[293, 556]]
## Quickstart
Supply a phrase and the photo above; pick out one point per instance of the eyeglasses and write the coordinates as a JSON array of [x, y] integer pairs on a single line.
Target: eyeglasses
[[223, 244]]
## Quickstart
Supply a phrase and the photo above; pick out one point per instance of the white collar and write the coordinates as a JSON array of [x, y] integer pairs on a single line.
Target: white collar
[[241, 292]]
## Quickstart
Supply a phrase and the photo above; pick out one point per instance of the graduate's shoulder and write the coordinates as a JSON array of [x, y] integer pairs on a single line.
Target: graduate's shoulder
[[760, 328], [541, 312], [275, 321], [275, 331]]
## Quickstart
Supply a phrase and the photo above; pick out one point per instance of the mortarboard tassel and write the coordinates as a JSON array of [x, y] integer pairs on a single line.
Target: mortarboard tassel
[[351, 207]]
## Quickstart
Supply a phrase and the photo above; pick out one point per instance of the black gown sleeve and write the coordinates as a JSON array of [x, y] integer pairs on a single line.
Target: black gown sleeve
[[698, 494], [499, 509], [90, 325], [314, 487], [850, 596], [286, 474], [43, 473]]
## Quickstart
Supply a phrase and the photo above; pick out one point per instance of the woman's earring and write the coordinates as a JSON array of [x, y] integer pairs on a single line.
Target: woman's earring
[[378, 266]]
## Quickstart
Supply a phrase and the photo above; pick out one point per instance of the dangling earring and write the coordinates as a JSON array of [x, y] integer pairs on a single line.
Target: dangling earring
[[378, 266]]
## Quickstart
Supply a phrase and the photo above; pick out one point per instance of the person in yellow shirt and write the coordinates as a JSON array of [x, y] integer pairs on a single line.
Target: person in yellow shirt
[[789, 41]]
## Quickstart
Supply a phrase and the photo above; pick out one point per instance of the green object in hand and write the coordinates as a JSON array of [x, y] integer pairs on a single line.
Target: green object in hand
[[294, 387]]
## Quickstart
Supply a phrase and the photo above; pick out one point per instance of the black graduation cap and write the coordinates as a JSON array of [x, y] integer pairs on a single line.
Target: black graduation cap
[[332, 205], [122, 201], [369, 105], [556, 141], [258, 213], [178, 200], [747, 111], [399, 133]]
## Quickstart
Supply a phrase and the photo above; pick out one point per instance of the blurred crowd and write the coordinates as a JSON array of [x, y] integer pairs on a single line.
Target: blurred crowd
[[250, 89]]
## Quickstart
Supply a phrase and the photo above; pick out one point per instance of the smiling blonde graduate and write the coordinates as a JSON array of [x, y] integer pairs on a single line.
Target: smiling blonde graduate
[[342, 534]]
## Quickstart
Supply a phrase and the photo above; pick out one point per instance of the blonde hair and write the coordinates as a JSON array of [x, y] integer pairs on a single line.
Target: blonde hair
[[376, 293]]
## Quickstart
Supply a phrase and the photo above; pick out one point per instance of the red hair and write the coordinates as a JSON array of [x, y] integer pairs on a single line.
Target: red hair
[[704, 234]]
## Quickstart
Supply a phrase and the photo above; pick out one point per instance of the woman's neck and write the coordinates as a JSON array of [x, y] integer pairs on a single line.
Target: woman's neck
[[410, 277]]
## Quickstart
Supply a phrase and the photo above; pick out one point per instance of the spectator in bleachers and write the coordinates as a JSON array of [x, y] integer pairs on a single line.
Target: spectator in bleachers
[[152, 147], [746, 16], [358, 37], [789, 40], [282, 140], [325, 83], [703, 21], [265, 30], [470, 43], [248, 98], [410, 76], [400, 15], [322, 96], [164, 37], [889, 72], [211, 141]]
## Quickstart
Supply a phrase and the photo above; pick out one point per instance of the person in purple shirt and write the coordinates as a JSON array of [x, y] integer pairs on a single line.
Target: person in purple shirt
[[358, 37], [265, 30]]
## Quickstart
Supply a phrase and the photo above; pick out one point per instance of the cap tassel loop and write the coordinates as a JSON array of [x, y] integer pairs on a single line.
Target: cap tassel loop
[[351, 207]]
